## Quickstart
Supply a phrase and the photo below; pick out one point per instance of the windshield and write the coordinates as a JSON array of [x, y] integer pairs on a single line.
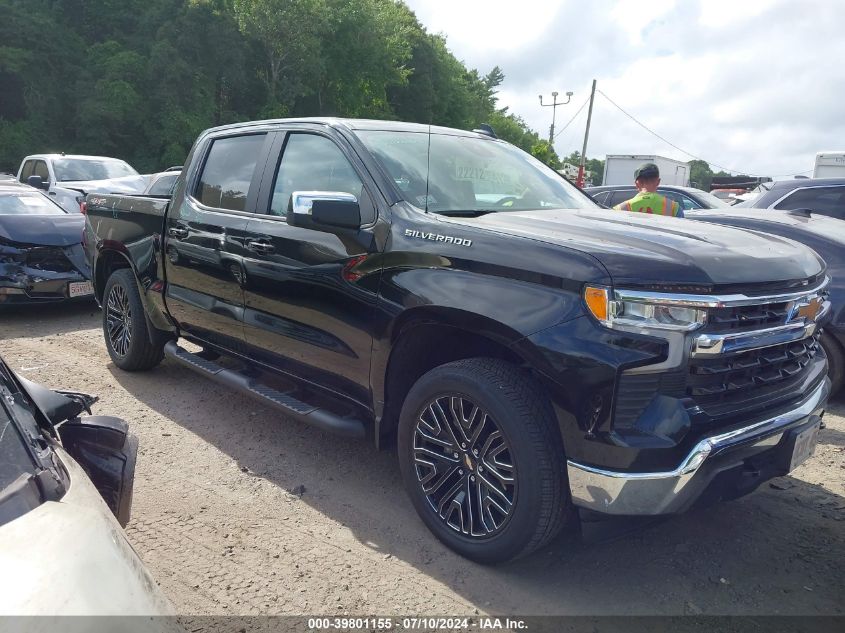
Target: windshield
[[68, 169], [710, 201], [467, 175], [28, 204]]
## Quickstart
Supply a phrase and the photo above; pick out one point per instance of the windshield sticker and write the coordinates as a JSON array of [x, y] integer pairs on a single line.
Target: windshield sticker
[[481, 174], [425, 201]]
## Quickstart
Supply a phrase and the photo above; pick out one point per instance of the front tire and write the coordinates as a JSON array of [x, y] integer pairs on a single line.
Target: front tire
[[125, 325], [482, 460], [836, 362]]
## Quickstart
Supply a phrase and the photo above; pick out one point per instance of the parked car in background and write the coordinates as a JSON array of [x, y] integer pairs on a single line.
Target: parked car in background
[[67, 178], [162, 184], [825, 196], [687, 197], [66, 482], [528, 353], [41, 257], [824, 235], [729, 196]]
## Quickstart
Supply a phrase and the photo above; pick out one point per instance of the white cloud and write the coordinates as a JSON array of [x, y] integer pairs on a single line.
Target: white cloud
[[755, 85]]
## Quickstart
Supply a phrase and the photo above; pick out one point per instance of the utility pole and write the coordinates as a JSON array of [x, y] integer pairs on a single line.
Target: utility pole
[[580, 181], [553, 105]]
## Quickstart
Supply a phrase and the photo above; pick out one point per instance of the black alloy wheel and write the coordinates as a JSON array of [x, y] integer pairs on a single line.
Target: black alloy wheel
[[119, 320], [482, 459], [464, 465], [125, 328]]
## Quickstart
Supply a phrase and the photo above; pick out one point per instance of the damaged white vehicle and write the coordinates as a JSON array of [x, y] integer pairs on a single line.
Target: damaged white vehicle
[[65, 491]]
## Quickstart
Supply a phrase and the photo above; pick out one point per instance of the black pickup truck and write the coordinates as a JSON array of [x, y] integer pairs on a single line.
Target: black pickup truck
[[533, 357]]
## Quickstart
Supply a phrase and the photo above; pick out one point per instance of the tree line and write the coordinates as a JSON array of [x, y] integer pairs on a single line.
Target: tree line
[[139, 79]]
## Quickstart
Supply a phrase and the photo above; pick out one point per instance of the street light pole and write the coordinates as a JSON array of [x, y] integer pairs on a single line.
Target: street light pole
[[553, 105]]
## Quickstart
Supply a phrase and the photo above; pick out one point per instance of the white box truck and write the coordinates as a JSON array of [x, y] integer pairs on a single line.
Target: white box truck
[[619, 169], [829, 165]]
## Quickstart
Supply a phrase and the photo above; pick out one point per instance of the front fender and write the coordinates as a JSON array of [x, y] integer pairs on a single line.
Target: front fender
[[501, 309]]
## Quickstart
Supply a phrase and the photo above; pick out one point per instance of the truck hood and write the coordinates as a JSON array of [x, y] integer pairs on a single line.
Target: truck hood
[[125, 184], [639, 249], [44, 230]]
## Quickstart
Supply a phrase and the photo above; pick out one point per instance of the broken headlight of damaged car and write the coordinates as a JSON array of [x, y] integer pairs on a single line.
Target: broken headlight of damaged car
[[642, 310]]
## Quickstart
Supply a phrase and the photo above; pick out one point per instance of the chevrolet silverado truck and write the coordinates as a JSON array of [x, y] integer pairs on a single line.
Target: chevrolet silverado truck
[[535, 359]]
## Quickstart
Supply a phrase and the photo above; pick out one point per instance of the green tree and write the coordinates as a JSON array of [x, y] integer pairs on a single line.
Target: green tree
[[369, 48], [700, 174], [291, 34]]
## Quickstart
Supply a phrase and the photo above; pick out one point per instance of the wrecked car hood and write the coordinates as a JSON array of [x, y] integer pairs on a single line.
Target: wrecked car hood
[[44, 230]]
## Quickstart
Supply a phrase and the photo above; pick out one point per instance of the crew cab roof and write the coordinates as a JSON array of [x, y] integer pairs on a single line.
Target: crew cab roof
[[352, 125]]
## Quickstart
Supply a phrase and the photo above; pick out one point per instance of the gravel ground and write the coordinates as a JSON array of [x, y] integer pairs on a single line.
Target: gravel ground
[[237, 511]]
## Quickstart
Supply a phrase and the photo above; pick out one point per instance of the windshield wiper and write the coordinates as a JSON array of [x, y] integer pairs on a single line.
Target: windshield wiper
[[466, 213]]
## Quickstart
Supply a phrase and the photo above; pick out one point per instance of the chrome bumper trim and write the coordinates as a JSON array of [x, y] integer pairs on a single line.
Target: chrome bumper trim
[[615, 492]]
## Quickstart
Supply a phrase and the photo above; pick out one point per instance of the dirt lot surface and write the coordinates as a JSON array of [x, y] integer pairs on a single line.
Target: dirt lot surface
[[237, 511]]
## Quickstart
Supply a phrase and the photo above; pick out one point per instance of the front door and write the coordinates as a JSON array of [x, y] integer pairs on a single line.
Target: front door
[[308, 304], [204, 239]]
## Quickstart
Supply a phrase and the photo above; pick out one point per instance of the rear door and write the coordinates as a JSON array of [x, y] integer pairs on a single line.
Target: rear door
[[204, 237], [308, 309]]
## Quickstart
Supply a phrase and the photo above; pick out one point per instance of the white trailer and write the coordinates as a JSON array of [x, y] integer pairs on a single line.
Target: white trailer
[[829, 165], [619, 169]]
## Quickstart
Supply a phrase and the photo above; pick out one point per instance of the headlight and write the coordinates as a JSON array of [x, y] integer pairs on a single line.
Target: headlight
[[627, 314]]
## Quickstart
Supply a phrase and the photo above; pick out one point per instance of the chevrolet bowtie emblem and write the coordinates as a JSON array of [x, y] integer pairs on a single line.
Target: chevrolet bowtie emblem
[[811, 309]]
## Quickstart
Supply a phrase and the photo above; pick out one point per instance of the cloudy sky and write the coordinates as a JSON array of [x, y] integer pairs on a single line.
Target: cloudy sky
[[756, 86]]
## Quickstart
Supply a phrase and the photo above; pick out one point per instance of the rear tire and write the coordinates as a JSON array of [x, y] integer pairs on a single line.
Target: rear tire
[[495, 418], [835, 360], [125, 325]]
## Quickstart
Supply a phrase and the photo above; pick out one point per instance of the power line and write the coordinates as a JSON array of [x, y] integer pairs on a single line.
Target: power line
[[574, 116], [668, 142]]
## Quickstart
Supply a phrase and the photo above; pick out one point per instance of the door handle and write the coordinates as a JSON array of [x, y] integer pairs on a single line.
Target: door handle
[[177, 231], [260, 246]]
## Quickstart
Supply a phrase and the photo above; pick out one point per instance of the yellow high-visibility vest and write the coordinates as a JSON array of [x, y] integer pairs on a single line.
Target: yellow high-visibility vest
[[645, 202]]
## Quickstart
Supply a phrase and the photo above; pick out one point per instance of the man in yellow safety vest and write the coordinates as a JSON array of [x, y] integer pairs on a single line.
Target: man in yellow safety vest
[[647, 179]]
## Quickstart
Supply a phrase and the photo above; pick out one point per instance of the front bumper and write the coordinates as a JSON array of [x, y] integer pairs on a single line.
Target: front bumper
[[44, 289], [669, 492]]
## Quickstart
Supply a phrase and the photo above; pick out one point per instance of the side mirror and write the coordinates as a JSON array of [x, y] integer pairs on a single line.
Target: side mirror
[[37, 182], [316, 209], [106, 451]]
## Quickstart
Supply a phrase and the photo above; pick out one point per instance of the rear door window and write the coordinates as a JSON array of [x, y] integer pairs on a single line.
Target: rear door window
[[228, 171], [617, 197], [824, 200], [601, 197]]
